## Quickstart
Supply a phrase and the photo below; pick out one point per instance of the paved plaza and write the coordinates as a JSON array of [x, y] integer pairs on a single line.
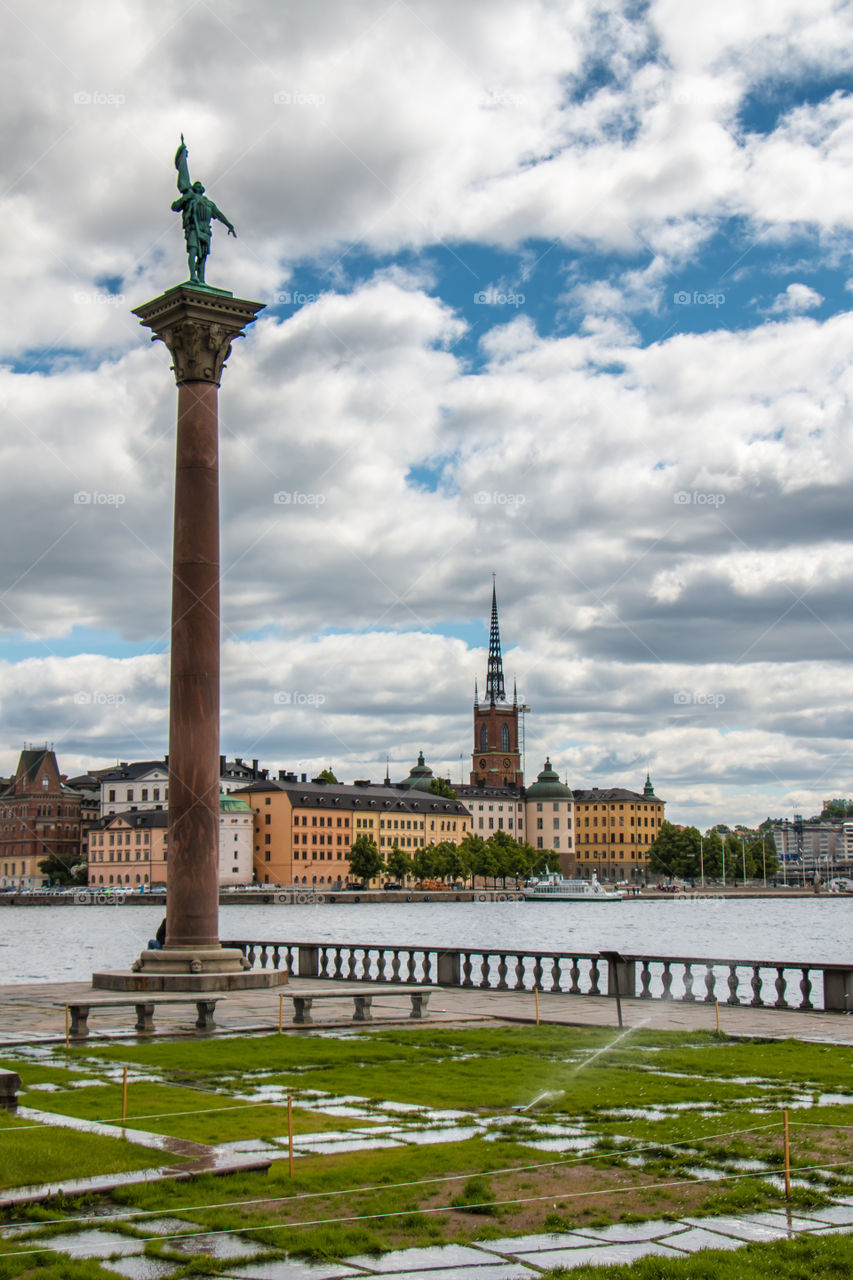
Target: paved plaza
[[30, 1012]]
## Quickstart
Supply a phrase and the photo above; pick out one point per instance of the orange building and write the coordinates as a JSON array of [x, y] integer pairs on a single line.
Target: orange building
[[304, 830]]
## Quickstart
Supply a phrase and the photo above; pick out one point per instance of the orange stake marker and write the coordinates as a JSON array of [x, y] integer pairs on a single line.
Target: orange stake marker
[[290, 1133]]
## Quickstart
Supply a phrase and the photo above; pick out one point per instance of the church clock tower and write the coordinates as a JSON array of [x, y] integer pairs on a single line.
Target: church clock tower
[[496, 759]]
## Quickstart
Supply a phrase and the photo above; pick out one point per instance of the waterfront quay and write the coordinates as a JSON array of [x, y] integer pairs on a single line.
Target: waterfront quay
[[32, 1013], [303, 895]]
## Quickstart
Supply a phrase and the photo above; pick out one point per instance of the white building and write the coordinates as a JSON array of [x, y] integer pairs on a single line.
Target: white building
[[236, 825]]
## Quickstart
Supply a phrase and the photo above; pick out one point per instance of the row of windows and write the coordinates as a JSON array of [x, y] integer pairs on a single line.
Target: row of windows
[[143, 794], [650, 807], [594, 857], [641, 822], [321, 821], [596, 839], [314, 838]]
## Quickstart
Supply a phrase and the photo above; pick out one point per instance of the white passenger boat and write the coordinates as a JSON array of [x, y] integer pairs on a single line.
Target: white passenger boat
[[553, 888]]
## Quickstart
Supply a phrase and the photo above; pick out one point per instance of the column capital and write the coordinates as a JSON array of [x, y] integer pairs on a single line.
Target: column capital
[[198, 326]]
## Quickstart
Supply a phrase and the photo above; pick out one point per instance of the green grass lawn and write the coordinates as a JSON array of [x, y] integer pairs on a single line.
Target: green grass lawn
[[373, 1200], [809, 1259], [36, 1154]]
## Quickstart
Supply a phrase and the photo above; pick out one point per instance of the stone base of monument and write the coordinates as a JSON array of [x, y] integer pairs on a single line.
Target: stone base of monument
[[190, 969]]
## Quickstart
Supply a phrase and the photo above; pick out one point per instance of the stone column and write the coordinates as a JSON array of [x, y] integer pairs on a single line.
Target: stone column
[[198, 325]]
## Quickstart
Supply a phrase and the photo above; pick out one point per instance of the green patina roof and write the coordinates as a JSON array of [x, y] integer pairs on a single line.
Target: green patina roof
[[420, 776], [232, 803], [548, 785]]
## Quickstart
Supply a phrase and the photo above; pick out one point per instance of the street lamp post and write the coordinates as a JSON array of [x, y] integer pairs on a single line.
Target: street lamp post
[[701, 861], [743, 856], [764, 857]]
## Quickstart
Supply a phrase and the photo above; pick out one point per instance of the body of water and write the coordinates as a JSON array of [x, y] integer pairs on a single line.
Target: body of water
[[63, 944]]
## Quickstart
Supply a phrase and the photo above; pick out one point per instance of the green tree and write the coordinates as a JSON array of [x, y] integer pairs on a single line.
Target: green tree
[[326, 775], [364, 860], [674, 854], [442, 787], [398, 864], [61, 872], [471, 851], [835, 810], [424, 862]]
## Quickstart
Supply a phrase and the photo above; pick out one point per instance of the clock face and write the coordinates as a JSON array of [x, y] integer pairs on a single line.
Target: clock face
[[482, 764], [507, 762]]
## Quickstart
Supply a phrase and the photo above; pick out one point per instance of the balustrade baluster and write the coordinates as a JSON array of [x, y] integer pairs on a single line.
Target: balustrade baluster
[[555, 974], [732, 981], [395, 965], [646, 981], [806, 989], [502, 972], [666, 980], [338, 953], [250, 952], [688, 983], [466, 970], [574, 974], [755, 982], [710, 983], [485, 979], [411, 977], [537, 973], [781, 985], [594, 977], [519, 972]]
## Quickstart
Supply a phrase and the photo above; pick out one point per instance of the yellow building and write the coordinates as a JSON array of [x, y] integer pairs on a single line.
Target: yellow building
[[614, 829], [304, 830]]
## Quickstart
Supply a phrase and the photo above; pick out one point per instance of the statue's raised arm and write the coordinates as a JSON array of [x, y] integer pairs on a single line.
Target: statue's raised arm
[[182, 167], [196, 214]]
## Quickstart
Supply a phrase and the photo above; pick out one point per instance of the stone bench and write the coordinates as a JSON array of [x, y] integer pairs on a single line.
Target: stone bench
[[362, 1000], [10, 1085], [144, 1006]]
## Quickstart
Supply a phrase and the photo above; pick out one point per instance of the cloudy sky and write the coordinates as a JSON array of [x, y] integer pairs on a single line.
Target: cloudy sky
[[555, 290]]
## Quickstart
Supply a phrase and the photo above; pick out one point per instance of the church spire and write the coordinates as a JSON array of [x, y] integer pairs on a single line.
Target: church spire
[[495, 672]]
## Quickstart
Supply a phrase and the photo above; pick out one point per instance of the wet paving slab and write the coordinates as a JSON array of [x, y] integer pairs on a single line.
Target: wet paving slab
[[142, 1268], [219, 1245], [93, 1243], [295, 1269], [456, 1259]]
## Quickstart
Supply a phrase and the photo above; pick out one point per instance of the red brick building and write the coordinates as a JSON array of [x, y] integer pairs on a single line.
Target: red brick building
[[39, 817], [496, 758]]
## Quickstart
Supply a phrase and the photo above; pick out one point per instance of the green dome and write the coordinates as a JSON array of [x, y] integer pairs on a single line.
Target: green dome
[[232, 804], [548, 786], [420, 776]]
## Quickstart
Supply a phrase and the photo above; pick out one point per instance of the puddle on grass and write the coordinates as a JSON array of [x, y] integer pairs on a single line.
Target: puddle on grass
[[161, 1226], [330, 1144], [142, 1268], [219, 1246], [94, 1244]]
